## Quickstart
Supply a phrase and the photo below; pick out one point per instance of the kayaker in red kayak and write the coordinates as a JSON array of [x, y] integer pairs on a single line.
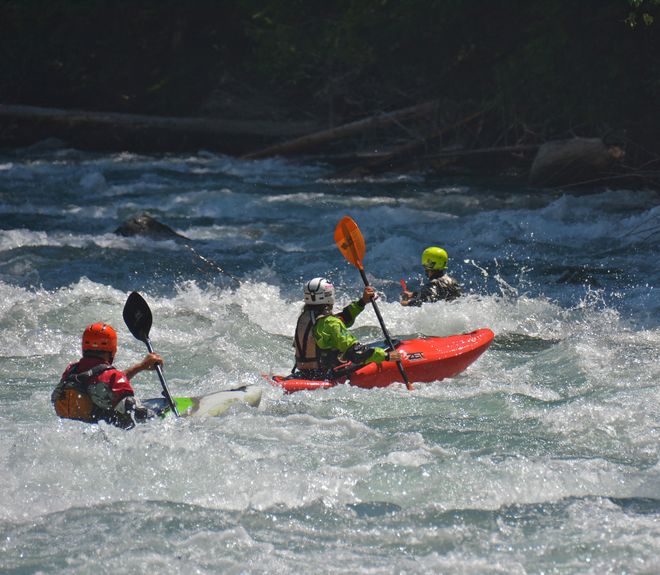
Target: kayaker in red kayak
[[440, 286], [322, 340], [93, 390]]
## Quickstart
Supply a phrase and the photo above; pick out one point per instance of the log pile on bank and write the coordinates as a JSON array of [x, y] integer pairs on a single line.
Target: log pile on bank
[[424, 143], [108, 131], [426, 137]]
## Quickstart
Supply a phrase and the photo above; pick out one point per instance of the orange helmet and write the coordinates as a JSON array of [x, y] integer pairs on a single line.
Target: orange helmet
[[100, 336]]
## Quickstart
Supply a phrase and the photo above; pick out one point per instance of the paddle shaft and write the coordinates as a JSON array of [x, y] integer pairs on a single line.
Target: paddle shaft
[[159, 371], [388, 339], [350, 242]]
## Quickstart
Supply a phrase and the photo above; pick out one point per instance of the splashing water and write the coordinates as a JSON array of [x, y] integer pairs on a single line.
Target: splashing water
[[541, 457]]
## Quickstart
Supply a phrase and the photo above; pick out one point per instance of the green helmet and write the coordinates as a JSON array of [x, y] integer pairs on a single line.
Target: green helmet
[[434, 258]]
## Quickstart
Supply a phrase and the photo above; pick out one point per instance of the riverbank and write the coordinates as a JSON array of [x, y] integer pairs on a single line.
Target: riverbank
[[441, 87], [408, 140]]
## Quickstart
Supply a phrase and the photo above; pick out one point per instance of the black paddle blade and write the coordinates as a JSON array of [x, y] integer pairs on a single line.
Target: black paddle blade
[[137, 316]]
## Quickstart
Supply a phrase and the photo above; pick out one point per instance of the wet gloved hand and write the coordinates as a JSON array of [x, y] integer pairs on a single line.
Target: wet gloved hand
[[142, 413], [131, 405], [369, 294], [394, 356]]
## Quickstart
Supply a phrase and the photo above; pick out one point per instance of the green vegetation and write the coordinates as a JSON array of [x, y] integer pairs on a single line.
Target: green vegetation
[[547, 67]]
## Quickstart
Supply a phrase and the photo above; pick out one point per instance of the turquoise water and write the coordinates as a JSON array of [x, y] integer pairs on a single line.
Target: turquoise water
[[541, 458]]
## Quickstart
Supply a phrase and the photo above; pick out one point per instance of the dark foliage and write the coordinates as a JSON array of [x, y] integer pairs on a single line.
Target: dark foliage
[[545, 68]]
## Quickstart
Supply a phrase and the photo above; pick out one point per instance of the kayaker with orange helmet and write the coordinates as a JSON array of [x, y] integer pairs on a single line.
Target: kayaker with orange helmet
[[322, 340], [440, 285], [93, 390]]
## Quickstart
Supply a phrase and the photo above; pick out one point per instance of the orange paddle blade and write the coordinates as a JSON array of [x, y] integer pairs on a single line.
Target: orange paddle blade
[[350, 242]]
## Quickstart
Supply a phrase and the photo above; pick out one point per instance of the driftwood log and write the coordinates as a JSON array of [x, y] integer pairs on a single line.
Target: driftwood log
[[401, 154], [311, 142], [25, 125]]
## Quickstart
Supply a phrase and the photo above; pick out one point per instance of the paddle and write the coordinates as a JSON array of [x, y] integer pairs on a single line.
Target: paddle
[[350, 242], [137, 317]]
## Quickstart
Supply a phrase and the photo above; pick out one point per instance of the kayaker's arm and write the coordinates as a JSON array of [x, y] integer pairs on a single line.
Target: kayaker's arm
[[351, 311], [361, 354], [149, 362], [409, 298], [414, 301], [438, 289], [416, 298], [331, 333]]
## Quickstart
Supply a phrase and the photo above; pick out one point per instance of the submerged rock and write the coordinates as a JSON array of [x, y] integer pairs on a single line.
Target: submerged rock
[[574, 161], [145, 225]]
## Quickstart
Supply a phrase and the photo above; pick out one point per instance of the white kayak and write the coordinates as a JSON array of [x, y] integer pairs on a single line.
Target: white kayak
[[209, 405]]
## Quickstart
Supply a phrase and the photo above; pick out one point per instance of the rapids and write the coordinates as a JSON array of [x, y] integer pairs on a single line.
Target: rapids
[[541, 458]]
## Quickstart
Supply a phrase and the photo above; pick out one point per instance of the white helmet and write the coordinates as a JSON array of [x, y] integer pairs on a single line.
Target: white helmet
[[319, 291]]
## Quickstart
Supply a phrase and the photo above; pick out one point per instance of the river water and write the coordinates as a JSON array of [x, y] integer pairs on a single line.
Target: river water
[[541, 458]]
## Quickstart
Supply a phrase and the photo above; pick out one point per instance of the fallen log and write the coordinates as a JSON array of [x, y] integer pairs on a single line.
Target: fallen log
[[401, 154], [519, 149], [311, 142], [113, 129], [202, 125]]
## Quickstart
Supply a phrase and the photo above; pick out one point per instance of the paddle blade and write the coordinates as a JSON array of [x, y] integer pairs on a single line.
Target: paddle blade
[[137, 316], [350, 242]]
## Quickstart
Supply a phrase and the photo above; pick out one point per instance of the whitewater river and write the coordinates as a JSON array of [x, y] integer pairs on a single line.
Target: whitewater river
[[542, 457]]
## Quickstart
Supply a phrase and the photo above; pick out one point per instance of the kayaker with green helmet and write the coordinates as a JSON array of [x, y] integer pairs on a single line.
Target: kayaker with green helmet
[[322, 340], [440, 285]]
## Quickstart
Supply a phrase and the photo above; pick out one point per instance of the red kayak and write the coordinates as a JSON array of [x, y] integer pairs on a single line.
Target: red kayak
[[425, 359]]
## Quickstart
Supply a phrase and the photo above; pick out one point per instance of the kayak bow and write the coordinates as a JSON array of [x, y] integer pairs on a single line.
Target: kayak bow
[[209, 405]]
